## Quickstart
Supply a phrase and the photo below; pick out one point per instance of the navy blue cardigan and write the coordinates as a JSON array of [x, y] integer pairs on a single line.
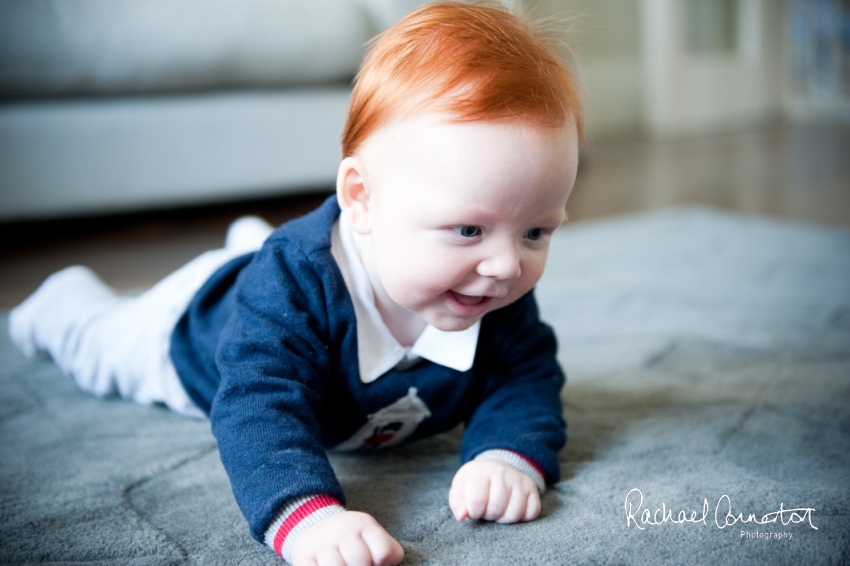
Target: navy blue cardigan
[[268, 348]]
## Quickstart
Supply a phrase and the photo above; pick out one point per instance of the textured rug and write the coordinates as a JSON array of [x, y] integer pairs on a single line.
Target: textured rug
[[708, 402]]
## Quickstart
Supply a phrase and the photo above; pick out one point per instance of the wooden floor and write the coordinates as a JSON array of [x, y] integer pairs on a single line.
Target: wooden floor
[[796, 172]]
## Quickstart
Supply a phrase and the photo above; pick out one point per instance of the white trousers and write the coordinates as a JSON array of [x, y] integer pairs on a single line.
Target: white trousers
[[119, 345]]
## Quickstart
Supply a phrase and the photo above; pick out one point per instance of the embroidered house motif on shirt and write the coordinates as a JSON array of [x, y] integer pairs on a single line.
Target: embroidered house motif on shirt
[[390, 425]]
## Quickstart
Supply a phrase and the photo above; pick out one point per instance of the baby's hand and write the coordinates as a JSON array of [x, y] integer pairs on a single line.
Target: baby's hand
[[350, 539], [494, 491]]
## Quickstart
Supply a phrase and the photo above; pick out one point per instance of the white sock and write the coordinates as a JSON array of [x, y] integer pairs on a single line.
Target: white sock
[[247, 234], [51, 318]]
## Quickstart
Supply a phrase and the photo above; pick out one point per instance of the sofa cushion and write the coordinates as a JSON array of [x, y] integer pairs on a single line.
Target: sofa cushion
[[60, 47]]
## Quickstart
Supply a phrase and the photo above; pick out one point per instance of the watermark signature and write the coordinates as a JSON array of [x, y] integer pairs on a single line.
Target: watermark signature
[[724, 515], [767, 535]]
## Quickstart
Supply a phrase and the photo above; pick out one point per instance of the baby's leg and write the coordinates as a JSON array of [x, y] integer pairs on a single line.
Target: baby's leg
[[108, 344], [53, 318], [120, 345]]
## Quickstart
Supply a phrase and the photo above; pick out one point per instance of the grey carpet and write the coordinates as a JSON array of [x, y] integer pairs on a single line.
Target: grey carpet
[[708, 354]]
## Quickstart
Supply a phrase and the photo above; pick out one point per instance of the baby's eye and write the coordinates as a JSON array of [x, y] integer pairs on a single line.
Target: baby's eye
[[534, 234], [467, 231]]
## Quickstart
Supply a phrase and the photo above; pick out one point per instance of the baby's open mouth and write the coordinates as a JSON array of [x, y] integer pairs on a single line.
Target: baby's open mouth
[[468, 305], [468, 299]]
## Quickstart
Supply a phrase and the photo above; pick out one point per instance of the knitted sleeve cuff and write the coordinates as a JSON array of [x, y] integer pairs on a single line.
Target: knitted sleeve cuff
[[525, 465], [297, 516]]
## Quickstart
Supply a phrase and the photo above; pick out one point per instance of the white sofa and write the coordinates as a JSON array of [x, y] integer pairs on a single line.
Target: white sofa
[[121, 105]]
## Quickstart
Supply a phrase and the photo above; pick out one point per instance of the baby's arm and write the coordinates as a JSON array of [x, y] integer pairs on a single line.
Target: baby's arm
[[492, 489], [349, 538], [519, 411]]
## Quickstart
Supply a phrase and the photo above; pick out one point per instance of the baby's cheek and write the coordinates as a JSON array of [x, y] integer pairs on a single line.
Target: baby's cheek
[[532, 271], [410, 292], [422, 276]]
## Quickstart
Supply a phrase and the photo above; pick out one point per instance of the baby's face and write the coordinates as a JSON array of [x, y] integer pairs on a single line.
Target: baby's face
[[461, 214]]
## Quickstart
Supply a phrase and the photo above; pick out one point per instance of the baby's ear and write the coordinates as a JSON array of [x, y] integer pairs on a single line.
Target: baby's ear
[[353, 195]]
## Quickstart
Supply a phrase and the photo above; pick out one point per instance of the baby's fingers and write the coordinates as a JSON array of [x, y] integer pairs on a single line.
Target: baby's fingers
[[384, 549], [515, 509], [456, 502], [331, 557], [476, 497], [353, 551], [499, 500], [532, 509], [523, 506]]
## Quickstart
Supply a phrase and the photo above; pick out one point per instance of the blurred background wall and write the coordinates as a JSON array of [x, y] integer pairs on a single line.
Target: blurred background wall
[[738, 104], [112, 106], [685, 67]]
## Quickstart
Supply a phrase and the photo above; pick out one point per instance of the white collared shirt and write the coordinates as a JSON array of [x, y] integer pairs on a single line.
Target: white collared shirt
[[377, 349]]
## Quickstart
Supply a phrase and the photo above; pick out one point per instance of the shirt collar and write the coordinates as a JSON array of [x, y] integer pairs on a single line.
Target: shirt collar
[[377, 349]]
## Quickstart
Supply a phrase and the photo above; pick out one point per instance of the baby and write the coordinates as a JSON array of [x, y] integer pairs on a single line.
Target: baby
[[400, 308]]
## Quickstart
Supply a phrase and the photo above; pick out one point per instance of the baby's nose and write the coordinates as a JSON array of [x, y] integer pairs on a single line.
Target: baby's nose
[[503, 262]]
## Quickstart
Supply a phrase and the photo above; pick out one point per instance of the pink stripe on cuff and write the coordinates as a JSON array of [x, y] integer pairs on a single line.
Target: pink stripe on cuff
[[298, 516]]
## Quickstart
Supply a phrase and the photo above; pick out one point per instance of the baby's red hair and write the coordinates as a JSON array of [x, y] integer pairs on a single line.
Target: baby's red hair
[[478, 63]]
